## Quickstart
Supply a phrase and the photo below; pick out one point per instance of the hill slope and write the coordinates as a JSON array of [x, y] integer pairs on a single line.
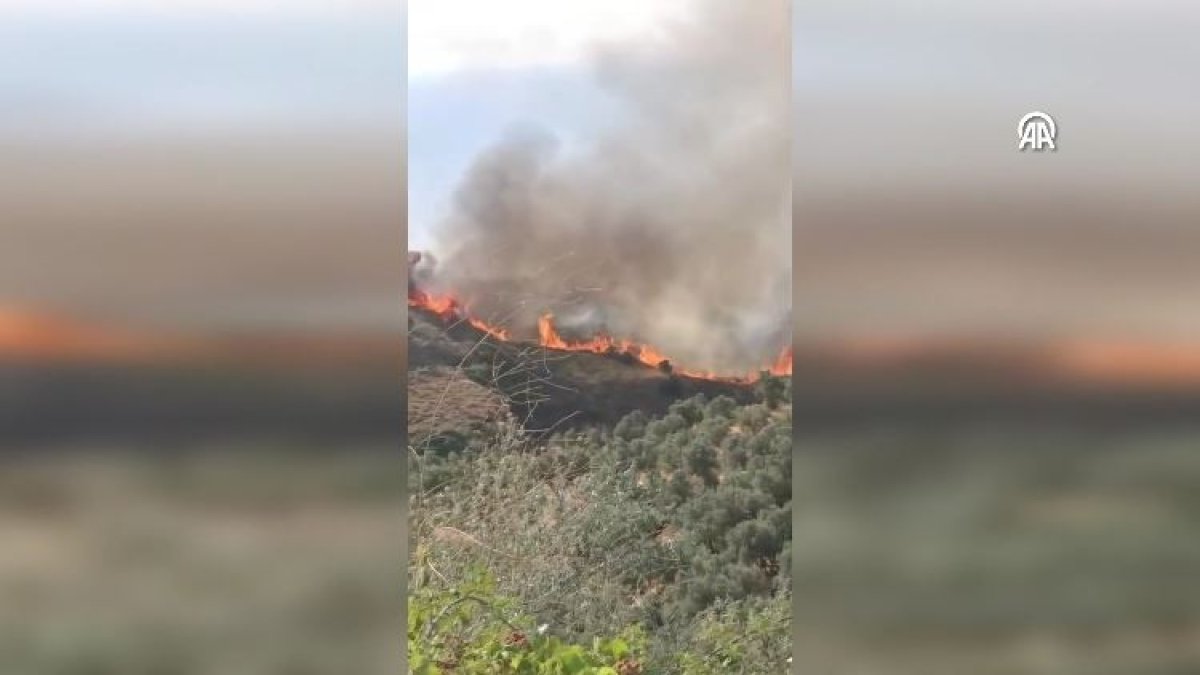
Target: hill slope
[[545, 389]]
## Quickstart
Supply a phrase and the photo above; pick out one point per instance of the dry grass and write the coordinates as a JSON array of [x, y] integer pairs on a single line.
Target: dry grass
[[442, 400]]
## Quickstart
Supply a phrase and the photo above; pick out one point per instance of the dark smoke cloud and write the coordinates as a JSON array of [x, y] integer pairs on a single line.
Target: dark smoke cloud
[[673, 228]]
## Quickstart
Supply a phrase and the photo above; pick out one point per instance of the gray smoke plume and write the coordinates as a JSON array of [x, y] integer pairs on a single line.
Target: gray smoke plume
[[673, 228]]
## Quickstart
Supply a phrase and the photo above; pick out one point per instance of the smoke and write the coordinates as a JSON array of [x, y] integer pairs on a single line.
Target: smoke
[[672, 228]]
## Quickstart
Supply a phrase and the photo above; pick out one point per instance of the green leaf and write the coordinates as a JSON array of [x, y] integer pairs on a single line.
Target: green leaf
[[618, 649]]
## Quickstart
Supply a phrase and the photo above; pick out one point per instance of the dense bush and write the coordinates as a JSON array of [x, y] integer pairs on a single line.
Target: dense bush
[[679, 526]]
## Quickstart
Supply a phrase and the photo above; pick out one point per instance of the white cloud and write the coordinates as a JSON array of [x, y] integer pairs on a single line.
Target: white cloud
[[450, 35]]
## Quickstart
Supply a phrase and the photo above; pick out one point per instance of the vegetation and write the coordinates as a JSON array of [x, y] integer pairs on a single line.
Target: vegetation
[[471, 629], [659, 545]]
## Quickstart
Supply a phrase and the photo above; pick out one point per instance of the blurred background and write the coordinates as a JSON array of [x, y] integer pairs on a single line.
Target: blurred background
[[202, 218], [997, 372]]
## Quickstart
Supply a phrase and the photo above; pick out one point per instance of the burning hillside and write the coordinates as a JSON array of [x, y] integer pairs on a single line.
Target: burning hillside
[[449, 308], [663, 234]]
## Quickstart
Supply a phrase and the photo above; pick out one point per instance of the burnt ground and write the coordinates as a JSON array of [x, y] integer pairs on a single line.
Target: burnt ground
[[544, 389]]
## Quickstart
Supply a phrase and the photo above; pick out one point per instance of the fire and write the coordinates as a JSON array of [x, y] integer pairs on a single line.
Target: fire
[[549, 337], [783, 364], [494, 331], [445, 306], [448, 308]]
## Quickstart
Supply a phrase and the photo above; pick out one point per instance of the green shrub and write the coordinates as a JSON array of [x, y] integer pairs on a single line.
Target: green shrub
[[679, 524], [745, 638], [471, 629]]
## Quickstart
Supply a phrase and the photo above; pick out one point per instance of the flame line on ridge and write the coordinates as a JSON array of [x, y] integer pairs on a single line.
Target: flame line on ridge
[[449, 308]]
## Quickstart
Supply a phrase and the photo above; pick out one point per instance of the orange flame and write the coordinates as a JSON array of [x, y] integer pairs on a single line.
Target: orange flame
[[783, 364], [549, 337], [494, 331], [445, 306], [448, 308]]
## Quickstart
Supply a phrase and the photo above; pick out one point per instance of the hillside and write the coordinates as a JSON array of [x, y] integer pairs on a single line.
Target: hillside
[[545, 389], [577, 512], [659, 546]]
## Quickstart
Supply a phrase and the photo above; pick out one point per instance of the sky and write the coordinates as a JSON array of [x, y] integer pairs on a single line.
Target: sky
[[478, 69]]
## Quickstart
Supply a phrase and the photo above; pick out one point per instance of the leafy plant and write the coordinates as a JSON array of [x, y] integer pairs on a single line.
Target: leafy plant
[[677, 527], [472, 629]]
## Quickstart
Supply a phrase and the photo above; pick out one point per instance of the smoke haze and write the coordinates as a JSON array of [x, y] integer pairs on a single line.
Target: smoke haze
[[673, 227]]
